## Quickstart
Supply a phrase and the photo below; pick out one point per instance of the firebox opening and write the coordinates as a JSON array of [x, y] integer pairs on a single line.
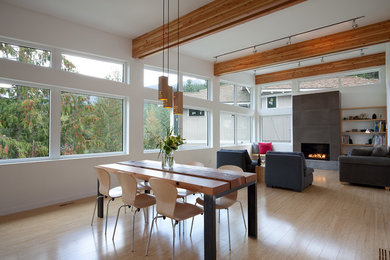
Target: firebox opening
[[315, 151]]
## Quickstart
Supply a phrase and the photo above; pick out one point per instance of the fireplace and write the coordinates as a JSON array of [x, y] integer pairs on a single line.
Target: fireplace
[[315, 151]]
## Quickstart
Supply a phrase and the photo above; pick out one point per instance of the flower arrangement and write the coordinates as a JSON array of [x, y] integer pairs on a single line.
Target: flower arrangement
[[167, 145]]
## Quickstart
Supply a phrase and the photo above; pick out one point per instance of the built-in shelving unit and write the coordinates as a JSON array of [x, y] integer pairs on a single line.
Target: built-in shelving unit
[[359, 128]]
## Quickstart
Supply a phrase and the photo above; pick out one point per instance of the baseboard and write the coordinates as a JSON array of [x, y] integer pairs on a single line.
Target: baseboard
[[20, 208]]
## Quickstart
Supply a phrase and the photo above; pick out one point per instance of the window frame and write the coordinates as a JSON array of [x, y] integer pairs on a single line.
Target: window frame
[[236, 85], [30, 45], [209, 84], [340, 75], [235, 140], [125, 69], [209, 123], [261, 119], [55, 123]]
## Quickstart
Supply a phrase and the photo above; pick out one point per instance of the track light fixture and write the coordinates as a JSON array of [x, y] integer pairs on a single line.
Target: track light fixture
[[322, 59], [362, 52], [289, 41], [354, 24]]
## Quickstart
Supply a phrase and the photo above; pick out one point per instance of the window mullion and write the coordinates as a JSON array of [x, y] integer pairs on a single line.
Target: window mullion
[[55, 124]]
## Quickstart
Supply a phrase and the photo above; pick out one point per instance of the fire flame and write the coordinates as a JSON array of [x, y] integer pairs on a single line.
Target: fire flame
[[317, 155]]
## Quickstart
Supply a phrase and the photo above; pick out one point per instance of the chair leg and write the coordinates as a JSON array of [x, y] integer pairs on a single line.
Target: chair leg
[[242, 212], [108, 204], [150, 233], [116, 221], [192, 224], [94, 210], [230, 246], [132, 245], [145, 215], [173, 242]]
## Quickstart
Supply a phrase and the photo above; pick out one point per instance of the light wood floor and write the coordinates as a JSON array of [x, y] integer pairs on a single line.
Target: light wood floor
[[326, 221]]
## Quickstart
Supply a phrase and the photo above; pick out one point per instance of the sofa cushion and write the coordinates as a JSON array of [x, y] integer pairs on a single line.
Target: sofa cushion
[[379, 151], [265, 147], [255, 148], [361, 151]]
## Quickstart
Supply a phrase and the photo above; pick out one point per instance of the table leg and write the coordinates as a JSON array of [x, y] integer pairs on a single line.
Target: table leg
[[210, 248], [252, 210], [100, 202]]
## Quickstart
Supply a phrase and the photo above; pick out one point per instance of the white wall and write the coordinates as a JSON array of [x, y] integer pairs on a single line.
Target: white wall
[[34, 184]]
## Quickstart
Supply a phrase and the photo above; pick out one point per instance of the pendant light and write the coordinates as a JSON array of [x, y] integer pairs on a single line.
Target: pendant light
[[178, 95], [163, 80]]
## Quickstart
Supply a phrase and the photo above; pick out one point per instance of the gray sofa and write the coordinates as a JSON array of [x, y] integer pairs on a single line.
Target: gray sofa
[[287, 170], [238, 158], [370, 166]]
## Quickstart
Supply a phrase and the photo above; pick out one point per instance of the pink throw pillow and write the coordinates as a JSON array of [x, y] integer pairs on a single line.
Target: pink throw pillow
[[264, 147]]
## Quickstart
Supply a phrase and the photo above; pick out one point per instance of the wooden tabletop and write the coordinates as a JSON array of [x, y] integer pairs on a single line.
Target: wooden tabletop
[[196, 184], [232, 177]]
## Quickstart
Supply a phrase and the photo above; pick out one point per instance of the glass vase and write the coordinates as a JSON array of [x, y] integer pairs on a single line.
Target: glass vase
[[167, 160]]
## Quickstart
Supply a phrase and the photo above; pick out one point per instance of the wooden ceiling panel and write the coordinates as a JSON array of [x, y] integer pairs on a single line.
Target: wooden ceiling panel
[[210, 18], [347, 40], [323, 68]]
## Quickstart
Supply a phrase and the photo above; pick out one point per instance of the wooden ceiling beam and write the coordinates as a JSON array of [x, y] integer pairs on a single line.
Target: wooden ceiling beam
[[324, 68], [347, 40], [208, 19]]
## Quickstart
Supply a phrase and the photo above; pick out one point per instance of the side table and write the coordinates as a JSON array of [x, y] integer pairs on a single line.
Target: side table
[[260, 172]]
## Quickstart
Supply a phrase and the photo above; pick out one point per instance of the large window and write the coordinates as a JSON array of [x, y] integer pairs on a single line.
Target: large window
[[195, 128], [226, 129], [236, 95], [360, 79], [276, 128], [156, 121], [244, 126], [25, 54], [90, 124], [151, 78], [195, 87], [235, 129], [93, 67], [24, 122], [318, 84]]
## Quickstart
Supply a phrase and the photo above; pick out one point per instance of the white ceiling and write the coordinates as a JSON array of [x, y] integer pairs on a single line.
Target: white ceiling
[[132, 18]]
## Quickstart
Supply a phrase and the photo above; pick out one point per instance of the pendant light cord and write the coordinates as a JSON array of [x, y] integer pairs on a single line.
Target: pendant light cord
[[163, 38], [168, 41], [178, 41]]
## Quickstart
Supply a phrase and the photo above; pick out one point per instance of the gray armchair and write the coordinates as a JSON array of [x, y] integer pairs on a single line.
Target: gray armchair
[[238, 158], [287, 170]]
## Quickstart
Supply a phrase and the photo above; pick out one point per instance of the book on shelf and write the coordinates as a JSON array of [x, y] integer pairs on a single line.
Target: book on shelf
[[345, 139]]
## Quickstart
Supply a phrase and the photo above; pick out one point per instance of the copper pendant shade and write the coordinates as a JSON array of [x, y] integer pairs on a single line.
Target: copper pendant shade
[[178, 103], [168, 102], [163, 88]]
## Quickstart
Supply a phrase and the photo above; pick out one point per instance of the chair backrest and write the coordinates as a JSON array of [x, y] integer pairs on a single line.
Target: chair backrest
[[232, 195], [196, 164], [230, 168], [104, 180], [166, 195], [129, 187], [239, 158]]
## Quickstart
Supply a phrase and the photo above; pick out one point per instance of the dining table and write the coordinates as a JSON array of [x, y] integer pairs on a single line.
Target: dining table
[[211, 182]]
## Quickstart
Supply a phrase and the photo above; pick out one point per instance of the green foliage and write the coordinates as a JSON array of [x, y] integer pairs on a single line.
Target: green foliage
[[189, 86], [25, 54], [24, 122], [90, 124], [156, 120], [169, 142], [369, 75]]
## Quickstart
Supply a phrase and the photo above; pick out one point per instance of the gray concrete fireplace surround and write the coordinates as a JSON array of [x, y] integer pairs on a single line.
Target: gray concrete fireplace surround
[[316, 119]]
